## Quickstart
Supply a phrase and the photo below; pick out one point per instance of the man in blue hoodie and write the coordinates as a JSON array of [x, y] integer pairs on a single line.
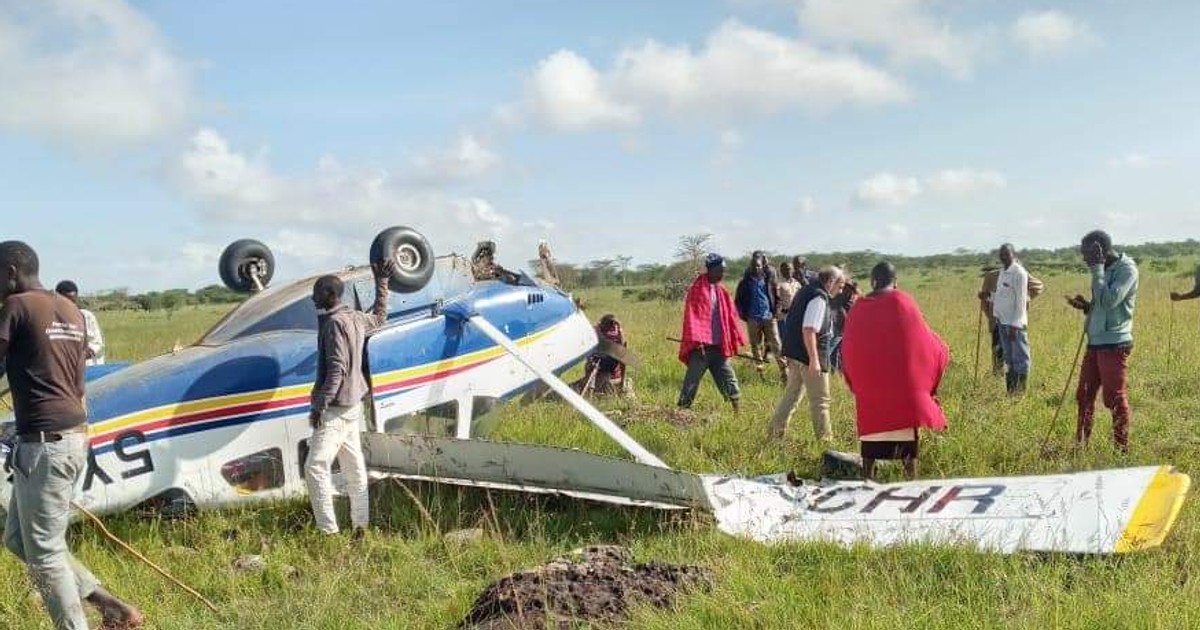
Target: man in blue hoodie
[[1109, 335], [755, 298]]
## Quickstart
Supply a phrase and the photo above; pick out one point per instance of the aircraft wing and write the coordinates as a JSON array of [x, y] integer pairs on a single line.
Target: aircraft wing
[[1096, 512]]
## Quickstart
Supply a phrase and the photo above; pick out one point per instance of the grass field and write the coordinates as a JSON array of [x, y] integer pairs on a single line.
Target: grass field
[[406, 576]]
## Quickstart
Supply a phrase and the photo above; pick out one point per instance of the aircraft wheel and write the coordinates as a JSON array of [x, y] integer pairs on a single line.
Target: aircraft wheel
[[412, 254], [247, 266]]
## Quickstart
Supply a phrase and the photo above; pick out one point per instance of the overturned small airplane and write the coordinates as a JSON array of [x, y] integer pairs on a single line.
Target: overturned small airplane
[[225, 421]]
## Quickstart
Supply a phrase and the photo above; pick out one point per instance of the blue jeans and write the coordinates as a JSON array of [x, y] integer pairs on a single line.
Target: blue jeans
[[44, 476], [1015, 349]]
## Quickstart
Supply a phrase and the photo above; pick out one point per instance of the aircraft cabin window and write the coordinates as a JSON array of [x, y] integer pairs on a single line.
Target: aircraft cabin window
[[436, 420], [255, 472]]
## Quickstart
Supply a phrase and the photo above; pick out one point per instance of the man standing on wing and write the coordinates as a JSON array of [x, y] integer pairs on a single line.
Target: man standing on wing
[[95, 338], [42, 350], [1010, 307], [337, 398], [807, 332], [1109, 336], [711, 334]]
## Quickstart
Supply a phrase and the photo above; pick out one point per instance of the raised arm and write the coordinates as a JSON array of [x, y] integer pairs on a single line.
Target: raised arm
[[1106, 296], [377, 316]]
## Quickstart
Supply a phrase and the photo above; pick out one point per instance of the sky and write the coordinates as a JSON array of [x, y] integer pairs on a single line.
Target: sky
[[137, 139]]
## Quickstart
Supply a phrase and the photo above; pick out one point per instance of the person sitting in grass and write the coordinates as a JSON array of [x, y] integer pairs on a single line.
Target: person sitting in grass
[[711, 334], [605, 373], [893, 363]]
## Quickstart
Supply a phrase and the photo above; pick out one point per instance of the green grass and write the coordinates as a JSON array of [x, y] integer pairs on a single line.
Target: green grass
[[405, 576]]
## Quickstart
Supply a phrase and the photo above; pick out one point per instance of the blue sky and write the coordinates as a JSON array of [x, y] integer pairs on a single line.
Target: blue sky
[[137, 139]]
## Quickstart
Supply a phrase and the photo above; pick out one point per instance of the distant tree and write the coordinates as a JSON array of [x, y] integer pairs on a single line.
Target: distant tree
[[622, 263], [692, 248], [599, 270]]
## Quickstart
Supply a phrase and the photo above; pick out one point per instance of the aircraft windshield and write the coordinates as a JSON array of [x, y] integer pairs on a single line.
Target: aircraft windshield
[[288, 307]]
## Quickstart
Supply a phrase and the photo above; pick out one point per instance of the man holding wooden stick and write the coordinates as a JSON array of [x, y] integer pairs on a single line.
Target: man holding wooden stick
[[43, 347]]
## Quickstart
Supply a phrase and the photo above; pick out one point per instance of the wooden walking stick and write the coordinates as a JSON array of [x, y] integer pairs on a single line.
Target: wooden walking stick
[[978, 342], [122, 544], [1066, 386], [1171, 337]]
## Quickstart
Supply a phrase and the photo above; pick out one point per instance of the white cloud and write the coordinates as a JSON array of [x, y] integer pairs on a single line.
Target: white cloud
[[333, 211], [88, 72], [963, 182], [740, 71], [1042, 33], [807, 207], [888, 189], [469, 158], [566, 93], [1133, 161], [903, 29]]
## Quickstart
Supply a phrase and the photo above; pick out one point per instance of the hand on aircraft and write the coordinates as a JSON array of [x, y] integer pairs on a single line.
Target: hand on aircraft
[[384, 269]]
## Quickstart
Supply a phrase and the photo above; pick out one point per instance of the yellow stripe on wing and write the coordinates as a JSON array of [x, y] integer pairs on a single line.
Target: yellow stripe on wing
[[1155, 512]]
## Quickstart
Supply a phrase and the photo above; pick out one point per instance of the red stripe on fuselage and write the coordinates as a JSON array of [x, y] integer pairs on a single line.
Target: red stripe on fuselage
[[202, 416]]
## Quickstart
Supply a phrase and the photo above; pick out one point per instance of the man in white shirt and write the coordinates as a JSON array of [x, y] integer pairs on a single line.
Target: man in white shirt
[[1010, 307], [807, 333], [95, 338]]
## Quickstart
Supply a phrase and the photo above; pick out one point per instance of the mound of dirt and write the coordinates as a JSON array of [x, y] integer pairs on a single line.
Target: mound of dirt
[[596, 585]]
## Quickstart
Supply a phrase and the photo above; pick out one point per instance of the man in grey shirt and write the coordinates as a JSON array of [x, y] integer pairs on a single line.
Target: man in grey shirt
[[336, 407]]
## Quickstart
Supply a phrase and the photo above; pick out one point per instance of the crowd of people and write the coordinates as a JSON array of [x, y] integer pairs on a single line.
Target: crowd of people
[[816, 323]]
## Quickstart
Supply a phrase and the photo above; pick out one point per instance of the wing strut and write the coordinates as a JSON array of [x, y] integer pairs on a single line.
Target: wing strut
[[597, 418]]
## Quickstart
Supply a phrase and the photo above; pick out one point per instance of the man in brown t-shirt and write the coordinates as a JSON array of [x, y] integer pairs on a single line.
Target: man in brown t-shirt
[[43, 348]]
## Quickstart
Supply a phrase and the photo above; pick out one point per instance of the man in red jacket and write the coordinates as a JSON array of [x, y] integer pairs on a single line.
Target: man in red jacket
[[711, 334], [893, 363]]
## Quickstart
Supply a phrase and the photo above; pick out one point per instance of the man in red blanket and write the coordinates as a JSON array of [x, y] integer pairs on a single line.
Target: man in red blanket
[[893, 364], [711, 334]]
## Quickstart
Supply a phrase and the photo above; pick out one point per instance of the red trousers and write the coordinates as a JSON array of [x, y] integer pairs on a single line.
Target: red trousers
[[1104, 369]]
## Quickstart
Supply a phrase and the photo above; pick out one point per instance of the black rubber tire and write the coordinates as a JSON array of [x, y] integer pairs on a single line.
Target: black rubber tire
[[413, 256], [237, 256]]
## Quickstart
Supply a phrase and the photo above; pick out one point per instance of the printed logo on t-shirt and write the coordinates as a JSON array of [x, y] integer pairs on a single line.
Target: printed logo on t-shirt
[[62, 331]]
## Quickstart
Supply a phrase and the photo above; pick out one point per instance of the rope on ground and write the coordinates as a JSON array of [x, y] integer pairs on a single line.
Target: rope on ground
[[109, 535]]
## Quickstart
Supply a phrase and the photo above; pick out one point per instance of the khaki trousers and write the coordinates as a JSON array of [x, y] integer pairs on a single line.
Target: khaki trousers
[[798, 383], [764, 341]]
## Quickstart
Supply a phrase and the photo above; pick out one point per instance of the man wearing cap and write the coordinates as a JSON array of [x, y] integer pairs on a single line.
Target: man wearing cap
[[711, 334], [42, 349], [95, 338]]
